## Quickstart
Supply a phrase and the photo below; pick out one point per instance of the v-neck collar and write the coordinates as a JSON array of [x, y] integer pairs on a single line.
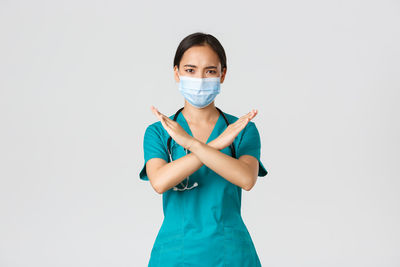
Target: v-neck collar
[[187, 128]]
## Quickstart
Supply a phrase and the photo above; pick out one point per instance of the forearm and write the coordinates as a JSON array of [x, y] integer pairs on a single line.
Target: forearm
[[233, 170], [176, 171]]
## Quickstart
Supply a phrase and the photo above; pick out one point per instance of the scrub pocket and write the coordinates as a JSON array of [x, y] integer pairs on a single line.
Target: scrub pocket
[[239, 250]]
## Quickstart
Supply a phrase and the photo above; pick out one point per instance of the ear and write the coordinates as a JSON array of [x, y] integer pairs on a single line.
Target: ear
[[223, 75], [176, 77]]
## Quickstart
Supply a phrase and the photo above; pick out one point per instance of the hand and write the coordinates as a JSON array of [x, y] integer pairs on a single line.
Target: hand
[[174, 129], [226, 138]]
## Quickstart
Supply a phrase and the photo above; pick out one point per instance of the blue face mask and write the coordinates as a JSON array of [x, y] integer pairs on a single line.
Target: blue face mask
[[199, 92]]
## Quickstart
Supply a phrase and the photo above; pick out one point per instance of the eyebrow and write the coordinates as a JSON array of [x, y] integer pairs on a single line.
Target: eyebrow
[[194, 66]]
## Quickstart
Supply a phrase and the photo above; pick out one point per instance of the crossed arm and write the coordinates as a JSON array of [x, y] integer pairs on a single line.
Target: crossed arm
[[242, 172]]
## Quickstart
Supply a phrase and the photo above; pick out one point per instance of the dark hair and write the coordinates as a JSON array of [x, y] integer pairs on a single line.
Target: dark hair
[[200, 38]]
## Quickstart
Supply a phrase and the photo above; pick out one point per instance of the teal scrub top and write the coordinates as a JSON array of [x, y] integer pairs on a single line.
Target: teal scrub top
[[203, 226]]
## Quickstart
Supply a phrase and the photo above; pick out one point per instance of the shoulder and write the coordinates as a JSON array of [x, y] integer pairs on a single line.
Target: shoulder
[[154, 127]]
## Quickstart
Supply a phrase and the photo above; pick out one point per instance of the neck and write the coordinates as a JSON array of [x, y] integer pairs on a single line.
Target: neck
[[196, 115]]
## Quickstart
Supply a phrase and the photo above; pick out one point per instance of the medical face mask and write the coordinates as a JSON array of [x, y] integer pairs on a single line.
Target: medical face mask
[[199, 92]]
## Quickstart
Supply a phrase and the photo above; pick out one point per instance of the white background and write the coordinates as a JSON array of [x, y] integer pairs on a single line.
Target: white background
[[77, 79]]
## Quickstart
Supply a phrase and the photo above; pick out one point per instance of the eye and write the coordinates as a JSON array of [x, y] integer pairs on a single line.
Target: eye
[[188, 69], [213, 71]]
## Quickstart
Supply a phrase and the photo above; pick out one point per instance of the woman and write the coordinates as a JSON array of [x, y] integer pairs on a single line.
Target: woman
[[200, 165]]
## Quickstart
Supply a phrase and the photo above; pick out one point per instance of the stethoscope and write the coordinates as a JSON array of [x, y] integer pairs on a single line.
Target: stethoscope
[[185, 187]]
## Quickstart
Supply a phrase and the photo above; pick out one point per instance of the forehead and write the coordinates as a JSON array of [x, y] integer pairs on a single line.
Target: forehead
[[200, 56]]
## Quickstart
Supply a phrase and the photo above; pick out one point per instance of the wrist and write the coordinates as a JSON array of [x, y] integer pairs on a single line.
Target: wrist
[[190, 143], [215, 144], [194, 144]]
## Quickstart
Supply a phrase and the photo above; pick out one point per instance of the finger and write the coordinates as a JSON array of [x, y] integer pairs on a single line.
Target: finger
[[251, 114], [255, 112], [155, 112], [241, 123], [164, 124], [159, 114], [167, 121], [244, 117], [161, 118]]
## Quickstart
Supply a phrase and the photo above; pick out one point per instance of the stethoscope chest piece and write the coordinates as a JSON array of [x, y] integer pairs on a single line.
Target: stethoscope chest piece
[[185, 186]]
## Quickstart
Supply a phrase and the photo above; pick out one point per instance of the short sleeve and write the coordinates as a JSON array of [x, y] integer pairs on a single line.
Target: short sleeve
[[153, 147], [250, 144]]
